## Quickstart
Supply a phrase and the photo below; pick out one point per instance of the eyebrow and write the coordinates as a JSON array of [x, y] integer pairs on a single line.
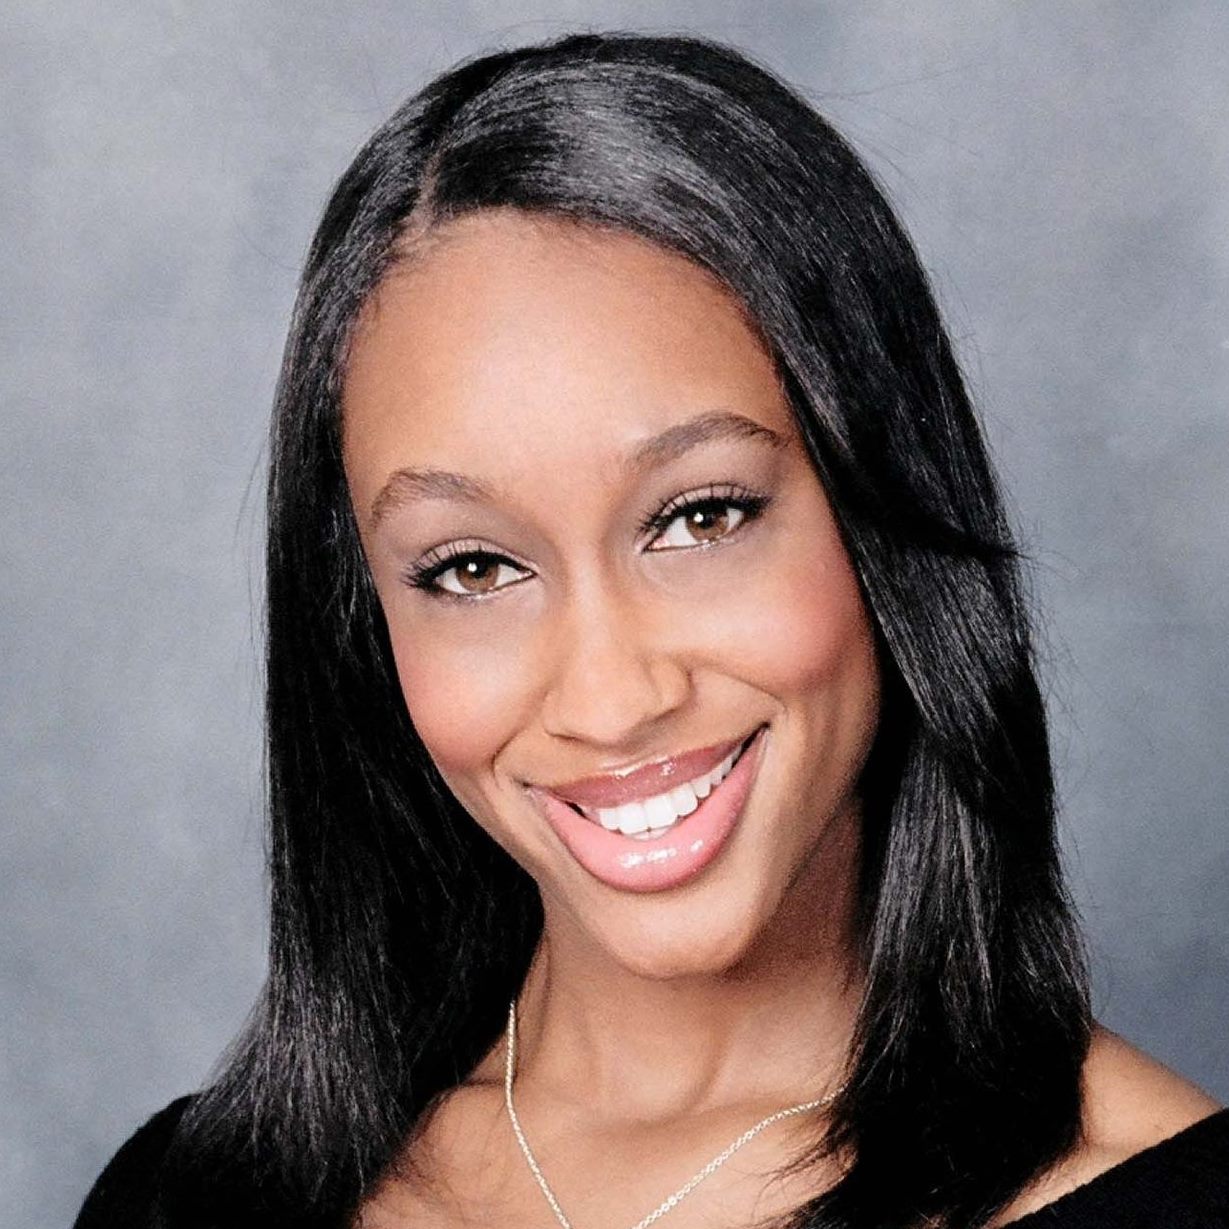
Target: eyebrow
[[674, 441], [407, 486]]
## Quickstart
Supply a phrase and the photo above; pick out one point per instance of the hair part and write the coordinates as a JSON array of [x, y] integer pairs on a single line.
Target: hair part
[[399, 930]]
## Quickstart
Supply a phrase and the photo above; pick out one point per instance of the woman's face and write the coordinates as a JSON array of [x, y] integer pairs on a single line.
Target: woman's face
[[607, 566]]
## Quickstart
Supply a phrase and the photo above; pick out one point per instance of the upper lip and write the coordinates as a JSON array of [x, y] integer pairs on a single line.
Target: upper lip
[[613, 789]]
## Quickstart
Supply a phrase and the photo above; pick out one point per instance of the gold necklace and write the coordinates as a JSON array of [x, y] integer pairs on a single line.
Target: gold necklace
[[672, 1201]]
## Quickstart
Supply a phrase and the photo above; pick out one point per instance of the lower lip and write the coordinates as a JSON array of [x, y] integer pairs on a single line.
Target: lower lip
[[667, 861]]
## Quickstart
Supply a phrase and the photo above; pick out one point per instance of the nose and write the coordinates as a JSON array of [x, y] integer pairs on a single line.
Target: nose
[[613, 672]]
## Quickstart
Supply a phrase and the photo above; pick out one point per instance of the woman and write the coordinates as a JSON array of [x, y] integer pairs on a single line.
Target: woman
[[658, 774]]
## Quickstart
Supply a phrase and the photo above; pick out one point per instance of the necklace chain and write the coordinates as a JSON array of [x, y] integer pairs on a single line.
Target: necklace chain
[[671, 1202]]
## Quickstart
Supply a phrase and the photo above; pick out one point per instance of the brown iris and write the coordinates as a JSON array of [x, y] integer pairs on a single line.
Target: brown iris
[[477, 573], [709, 522]]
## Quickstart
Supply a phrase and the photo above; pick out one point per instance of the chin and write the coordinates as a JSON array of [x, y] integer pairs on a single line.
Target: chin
[[704, 931]]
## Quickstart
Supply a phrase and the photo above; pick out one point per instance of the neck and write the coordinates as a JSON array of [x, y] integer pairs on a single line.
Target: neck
[[773, 1029]]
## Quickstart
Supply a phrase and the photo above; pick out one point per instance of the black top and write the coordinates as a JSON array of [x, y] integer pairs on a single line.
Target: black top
[[1180, 1183]]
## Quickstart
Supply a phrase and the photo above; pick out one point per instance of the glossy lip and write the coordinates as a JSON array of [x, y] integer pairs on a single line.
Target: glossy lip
[[680, 854], [615, 789]]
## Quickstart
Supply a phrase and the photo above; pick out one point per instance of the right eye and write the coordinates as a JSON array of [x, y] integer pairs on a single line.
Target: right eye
[[468, 574]]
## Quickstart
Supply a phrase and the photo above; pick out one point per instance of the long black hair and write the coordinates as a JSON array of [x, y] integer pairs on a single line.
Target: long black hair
[[399, 929]]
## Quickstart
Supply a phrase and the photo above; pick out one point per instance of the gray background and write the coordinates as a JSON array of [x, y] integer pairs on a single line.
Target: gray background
[[1063, 167]]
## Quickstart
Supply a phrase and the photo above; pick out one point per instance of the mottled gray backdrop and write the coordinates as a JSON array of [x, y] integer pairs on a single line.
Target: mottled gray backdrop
[[1065, 170]]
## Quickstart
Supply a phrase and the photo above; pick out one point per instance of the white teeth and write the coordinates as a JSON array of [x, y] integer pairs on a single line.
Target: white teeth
[[683, 800], [631, 817], [610, 819], [718, 773], [660, 811], [652, 816]]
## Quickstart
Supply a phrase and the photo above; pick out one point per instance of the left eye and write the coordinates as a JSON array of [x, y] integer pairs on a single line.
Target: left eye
[[699, 523], [475, 574]]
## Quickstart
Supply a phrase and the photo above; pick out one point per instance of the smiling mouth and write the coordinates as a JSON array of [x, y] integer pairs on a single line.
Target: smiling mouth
[[648, 818]]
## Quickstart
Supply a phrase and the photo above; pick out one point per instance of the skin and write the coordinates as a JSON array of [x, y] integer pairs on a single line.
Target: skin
[[534, 356]]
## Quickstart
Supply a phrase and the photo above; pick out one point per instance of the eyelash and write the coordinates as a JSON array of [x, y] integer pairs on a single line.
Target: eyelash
[[436, 563], [751, 504]]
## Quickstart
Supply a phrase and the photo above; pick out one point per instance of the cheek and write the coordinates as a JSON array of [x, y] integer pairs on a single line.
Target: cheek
[[461, 695], [807, 643], [796, 628]]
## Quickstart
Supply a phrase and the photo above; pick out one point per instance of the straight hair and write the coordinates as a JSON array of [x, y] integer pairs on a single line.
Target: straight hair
[[399, 929]]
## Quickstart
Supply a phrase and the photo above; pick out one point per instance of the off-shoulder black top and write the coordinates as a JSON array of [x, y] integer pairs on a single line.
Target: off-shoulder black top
[[1180, 1183]]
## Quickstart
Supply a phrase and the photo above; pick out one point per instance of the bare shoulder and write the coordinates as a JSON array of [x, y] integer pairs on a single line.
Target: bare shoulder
[[1131, 1102]]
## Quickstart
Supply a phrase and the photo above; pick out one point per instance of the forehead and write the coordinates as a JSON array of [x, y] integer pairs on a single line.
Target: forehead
[[511, 340]]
